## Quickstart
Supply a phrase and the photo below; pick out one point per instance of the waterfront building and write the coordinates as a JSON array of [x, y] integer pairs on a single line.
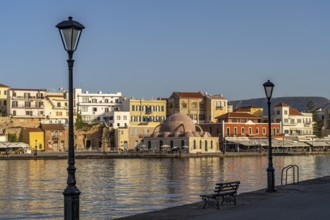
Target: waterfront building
[[294, 123], [200, 107], [26, 103], [56, 137], [179, 132], [118, 119], [189, 103], [240, 124], [215, 106], [252, 109], [97, 107], [33, 137], [132, 137], [56, 108], [3, 99], [147, 112]]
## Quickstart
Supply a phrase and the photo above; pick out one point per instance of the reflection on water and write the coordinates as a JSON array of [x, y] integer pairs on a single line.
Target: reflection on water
[[119, 187]]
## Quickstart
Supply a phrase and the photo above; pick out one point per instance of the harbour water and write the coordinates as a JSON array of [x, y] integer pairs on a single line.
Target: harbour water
[[112, 188]]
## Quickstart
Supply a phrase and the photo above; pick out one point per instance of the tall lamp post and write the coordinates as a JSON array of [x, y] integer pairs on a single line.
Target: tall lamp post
[[70, 32], [268, 86]]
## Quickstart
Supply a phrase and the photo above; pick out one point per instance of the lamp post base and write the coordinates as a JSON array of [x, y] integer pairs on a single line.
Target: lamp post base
[[270, 180], [71, 203]]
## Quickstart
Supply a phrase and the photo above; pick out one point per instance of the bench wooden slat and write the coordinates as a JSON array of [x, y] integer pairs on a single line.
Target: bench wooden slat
[[227, 191]]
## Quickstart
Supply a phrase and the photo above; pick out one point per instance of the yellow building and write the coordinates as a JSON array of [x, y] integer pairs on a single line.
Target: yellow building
[[3, 99], [34, 137], [132, 137], [215, 106], [145, 112], [200, 107], [189, 103]]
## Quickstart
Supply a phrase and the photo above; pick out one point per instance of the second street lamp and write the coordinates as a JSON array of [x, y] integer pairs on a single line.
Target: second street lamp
[[268, 86], [70, 32]]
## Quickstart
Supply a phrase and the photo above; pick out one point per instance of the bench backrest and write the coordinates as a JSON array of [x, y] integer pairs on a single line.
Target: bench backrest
[[226, 186]]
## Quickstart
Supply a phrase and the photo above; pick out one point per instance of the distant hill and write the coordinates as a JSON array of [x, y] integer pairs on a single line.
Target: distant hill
[[300, 103]]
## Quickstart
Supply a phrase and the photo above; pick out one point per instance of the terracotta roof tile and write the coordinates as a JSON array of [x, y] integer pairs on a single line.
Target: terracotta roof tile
[[58, 127], [237, 115], [190, 94], [293, 111], [2, 85], [33, 129], [281, 105]]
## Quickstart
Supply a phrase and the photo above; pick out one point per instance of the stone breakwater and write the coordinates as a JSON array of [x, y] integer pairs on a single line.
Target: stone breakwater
[[107, 155]]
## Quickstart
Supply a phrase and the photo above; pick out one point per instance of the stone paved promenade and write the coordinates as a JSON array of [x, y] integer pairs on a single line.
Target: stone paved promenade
[[308, 200]]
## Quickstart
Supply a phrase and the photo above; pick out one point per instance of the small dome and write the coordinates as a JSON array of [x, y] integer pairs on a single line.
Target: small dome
[[178, 122], [196, 134], [207, 134], [155, 134], [177, 134], [188, 134], [166, 134]]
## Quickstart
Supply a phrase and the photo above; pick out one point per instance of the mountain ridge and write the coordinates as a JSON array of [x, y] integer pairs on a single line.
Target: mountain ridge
[[298, 102]]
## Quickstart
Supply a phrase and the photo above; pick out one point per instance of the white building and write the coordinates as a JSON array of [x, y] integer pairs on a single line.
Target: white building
[[118, 120], [26, 103], [294, 123], [97, 107], [56, 108]]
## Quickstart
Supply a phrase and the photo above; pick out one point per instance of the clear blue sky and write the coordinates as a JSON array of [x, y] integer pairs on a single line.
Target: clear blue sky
[[150, 48]]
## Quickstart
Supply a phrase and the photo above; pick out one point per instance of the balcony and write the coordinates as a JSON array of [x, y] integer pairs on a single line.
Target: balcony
[[148, 112]]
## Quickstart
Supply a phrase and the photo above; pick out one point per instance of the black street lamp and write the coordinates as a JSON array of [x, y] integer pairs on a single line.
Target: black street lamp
[[268, 86], [70, 32]]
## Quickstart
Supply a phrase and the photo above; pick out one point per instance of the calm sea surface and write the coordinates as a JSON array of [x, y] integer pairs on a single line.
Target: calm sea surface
[[112, 188]]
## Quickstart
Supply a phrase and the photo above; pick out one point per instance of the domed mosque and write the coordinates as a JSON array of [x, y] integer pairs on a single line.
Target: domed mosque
[[179, 131]]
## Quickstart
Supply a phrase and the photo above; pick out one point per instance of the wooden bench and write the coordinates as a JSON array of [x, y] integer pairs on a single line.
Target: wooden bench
[[226, 191]]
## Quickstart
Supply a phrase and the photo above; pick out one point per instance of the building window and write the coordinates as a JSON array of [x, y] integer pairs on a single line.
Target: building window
[[250, 130], [14, 104], [242, 130], [264, 131], [194, 144], [278, 113], [106, 109], [285, 112], [211, 144], [184, 105], [257, 130], [39, 104], [133, 108], [28, 113], [118, 117], [106, 100], [94, 109], [58, 104], [84, 108], [27, 104], [200, 144], [228, 131], [14, 113], [94, 100], [162, 108], [125, 117], [235, 131]]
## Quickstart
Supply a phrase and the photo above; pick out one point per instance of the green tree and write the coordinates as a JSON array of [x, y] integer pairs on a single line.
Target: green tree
[[80, 123], [12, 138]]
